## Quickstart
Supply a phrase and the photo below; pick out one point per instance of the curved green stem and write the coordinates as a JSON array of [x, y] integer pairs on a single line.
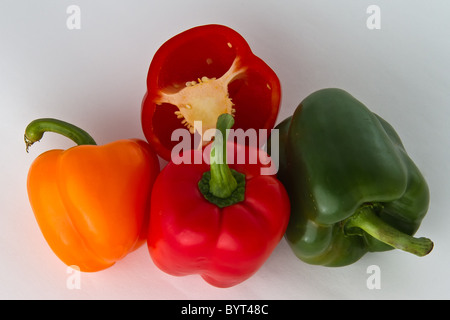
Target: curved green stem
[[222, 185], [36, 129], [366, 219]]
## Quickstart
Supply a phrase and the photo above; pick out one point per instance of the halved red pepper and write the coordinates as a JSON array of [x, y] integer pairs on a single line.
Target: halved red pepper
[[219, 221], [202, 73]]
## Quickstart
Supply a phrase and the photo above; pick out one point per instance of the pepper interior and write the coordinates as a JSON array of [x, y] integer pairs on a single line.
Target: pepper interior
[[197, 81], [203, 100]]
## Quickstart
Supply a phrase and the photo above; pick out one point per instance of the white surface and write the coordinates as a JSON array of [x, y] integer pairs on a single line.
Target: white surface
[[95, 78]]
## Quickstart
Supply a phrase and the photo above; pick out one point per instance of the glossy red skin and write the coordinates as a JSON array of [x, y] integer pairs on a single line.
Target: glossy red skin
[[183, 58], [189, 235]]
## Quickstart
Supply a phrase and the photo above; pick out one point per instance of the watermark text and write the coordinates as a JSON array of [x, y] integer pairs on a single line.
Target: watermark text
[[254, 153]]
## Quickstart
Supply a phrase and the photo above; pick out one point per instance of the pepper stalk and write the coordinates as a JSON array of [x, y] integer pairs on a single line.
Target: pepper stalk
[[221, 185], [36, 129], [367, 220]]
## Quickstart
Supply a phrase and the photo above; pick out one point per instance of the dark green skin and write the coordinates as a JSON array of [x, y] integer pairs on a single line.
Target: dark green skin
[[337, 157]]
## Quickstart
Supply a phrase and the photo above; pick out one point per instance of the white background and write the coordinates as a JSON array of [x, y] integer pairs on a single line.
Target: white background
[[95, 78]]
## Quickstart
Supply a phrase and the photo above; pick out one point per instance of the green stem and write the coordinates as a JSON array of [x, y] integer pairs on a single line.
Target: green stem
[[36, 129], [222, 185], [366, 219]]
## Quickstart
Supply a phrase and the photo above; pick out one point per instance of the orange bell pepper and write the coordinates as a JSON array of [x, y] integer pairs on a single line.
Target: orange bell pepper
[[91, 202]]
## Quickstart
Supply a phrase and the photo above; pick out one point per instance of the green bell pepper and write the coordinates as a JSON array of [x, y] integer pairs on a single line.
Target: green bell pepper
[[353, 188]]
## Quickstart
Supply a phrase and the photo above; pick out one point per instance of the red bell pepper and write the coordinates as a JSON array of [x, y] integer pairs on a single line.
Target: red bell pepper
[[198, 75], [215, 221]]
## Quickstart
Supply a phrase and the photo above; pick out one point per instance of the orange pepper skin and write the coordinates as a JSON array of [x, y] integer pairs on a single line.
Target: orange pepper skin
[[91, 202]]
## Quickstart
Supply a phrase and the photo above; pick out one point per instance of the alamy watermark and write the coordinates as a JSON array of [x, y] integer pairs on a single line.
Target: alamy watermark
[[374, 279], [73, 281], [255, 152], [373, 22], [73, 21]]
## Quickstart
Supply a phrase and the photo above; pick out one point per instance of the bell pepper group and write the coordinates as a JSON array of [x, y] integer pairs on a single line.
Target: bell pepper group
[[345, 185]]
